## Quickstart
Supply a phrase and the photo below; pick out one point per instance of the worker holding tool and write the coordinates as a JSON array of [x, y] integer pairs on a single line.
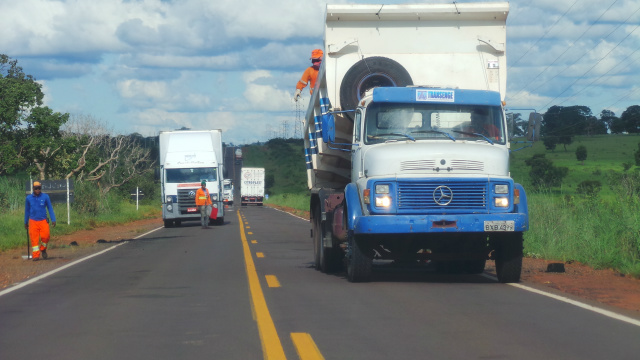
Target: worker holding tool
[[36, 221], [203, 202], [310, 75]]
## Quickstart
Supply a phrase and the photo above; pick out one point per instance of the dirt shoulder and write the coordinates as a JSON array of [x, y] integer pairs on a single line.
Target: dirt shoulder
[[606, 287]]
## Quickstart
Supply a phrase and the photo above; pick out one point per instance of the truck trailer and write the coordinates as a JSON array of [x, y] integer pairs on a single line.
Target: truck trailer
[[251, 186], [186, 159], [406, 142]]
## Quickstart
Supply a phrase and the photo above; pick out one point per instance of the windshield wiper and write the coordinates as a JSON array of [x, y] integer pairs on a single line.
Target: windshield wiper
[[475, 134], [379, 136], [434, 132]]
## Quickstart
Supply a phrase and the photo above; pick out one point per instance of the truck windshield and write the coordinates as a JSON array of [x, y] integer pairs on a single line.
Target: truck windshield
[[191, 175], [400, 122]]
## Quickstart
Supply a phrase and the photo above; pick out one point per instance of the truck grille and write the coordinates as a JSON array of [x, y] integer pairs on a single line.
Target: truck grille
[[186, 199], [467, 196]]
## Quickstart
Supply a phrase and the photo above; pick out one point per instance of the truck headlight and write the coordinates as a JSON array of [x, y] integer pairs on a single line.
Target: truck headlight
[[169, 199], [214, 197], [501, 202], [169, 207], [501, 189], [383, 201], [382, 188]]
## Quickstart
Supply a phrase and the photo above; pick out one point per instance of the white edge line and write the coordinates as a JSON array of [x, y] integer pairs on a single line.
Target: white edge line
[[595, 309], [40, 277], [295, 216]]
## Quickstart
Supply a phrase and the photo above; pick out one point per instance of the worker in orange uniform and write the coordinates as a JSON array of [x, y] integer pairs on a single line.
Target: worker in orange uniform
[[36, 221], [203, 201], [310, 75]]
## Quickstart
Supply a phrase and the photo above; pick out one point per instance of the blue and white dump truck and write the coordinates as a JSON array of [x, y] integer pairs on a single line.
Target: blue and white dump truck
[[187, 157], [406, 141]]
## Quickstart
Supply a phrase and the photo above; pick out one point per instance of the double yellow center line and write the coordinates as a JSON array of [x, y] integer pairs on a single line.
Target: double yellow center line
[[271, 344]]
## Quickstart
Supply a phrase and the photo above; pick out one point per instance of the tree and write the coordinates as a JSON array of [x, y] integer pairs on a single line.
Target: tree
[[43, 141], [581, 153], [19, 94], [550, 142], [631, 119], [543, 173], [566, 122], [608, 117], [617, 126]]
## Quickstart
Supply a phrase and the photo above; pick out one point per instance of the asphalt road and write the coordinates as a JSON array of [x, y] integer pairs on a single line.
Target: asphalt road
[[248, 290]]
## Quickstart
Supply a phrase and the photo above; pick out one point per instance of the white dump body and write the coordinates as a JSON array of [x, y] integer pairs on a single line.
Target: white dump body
[[456, 46], [440, 45], [252, 185]]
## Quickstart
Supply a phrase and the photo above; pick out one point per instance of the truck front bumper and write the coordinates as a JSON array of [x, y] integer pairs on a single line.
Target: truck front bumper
[[412, 224]]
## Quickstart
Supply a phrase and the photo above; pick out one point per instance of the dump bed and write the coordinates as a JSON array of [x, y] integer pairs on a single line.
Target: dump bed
[[433, 45]]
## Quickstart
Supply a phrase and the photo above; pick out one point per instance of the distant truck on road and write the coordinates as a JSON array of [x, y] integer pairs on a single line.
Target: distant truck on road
[[227, 191], [406, 145], [238, 155], [186, 159], [251, 186]]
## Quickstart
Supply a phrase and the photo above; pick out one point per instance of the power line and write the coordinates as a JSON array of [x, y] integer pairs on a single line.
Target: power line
[[591, 68], [588, 52], [565, 51], [545, 34]]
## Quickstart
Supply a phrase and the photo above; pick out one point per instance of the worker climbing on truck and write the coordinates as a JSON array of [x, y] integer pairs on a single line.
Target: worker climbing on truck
[[310, 74]]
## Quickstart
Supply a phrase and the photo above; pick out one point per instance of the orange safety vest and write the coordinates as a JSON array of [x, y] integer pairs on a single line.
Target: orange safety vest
[[202, 197], [309, 75]]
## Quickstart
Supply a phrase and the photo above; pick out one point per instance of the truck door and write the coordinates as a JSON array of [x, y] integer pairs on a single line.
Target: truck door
[[356, 148]]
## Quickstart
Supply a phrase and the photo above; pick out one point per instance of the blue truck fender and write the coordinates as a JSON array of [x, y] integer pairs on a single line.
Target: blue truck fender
[[523, 206], [354, 209]]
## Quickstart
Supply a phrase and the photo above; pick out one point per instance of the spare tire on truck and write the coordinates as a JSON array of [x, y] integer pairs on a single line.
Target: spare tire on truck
[[368, 73]]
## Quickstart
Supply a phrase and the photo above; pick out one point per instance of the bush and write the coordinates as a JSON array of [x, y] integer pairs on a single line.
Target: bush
[[543, 173], [589, 188], [581, 153]]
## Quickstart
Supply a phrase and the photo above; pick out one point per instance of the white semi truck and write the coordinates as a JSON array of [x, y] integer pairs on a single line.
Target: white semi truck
[[251, 186], [227, 191], [186, 159], [406, 144]]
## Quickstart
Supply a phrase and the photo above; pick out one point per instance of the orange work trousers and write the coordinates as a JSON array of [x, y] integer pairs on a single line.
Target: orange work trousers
[[38, 231]]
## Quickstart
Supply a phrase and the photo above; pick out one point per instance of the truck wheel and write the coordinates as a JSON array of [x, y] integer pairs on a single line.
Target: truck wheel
[[317, 246], [168, 223], [368, 73], [359, 262], [509, 258], [327, 260]]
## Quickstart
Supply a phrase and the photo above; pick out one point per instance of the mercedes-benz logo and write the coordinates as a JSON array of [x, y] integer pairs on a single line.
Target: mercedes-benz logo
[[442, 195], [192, 194]]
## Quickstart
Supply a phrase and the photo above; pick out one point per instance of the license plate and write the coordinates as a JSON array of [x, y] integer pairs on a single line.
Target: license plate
[[196, 209], [499, 225]]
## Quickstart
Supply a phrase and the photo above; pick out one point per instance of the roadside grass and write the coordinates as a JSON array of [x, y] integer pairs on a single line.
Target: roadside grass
[[13, 234], [296, 201], [597, 232]]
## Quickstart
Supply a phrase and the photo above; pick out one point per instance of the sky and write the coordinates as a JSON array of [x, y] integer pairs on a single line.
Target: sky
[[152, 65]]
